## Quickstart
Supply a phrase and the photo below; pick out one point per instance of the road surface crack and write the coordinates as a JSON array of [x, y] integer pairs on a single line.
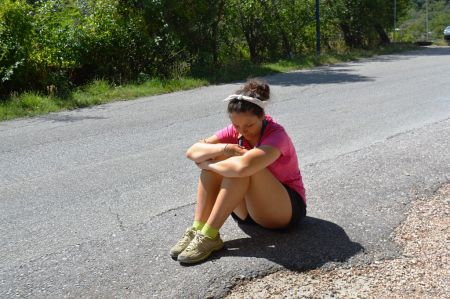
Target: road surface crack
[[119, 220]]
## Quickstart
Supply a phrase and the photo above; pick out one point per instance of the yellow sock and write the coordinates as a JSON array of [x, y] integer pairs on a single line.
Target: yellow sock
[[209, 231], [198, 225]]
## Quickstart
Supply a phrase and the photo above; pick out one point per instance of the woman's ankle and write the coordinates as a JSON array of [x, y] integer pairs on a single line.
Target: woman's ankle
[[198, 225], [209, 231]]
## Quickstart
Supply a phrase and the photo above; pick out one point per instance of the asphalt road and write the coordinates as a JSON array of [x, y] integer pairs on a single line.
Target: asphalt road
[[91, 200]]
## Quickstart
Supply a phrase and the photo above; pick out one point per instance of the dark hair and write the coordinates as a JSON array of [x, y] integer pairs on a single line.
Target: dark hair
[[253, 88]]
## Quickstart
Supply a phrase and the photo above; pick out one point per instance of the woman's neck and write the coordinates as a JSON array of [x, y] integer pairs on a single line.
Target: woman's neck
[[253, 141]]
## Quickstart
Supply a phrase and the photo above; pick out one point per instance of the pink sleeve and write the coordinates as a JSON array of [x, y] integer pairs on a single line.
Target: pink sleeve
[[227, 135], [277, 138]]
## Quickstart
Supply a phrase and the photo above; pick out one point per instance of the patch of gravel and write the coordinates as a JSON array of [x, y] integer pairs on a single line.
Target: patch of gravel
[[423, 271]]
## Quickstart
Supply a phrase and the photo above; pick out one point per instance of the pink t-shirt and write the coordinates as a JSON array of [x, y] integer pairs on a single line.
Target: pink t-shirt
[[285, 168]]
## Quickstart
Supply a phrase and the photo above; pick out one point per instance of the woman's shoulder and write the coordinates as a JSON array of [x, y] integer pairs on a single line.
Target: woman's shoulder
[[273, 126]]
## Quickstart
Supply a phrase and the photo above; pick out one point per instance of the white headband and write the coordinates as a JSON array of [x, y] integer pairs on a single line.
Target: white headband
[[241, 97]]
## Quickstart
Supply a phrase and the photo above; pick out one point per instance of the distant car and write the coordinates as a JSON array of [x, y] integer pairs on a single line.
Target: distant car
[[447, 34]]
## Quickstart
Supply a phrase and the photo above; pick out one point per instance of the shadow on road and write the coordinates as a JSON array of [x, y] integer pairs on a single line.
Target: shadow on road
[[344, 72], [426, 51], [312, 245], [322, 75]]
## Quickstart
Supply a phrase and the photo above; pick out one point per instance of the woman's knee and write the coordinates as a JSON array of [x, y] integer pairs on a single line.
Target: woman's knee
[[235, 180], [210, 179], [208, 174]]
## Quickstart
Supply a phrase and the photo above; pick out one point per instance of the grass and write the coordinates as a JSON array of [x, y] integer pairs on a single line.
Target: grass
[[440, 42], [101, 92], [96, 93]]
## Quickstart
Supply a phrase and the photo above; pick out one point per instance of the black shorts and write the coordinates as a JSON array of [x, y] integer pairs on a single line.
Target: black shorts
[[298, 211]]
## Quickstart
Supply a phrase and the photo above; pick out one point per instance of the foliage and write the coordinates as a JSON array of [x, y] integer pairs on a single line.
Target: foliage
[[53, 46], [272, 29], [15, 41], [413, 24], [364, 23]]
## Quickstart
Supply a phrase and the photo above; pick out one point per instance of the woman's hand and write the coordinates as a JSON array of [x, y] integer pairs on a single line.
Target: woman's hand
[[204, 164], [232, 149]]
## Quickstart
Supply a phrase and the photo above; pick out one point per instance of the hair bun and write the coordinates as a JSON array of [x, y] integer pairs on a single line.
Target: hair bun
[[256, 88]]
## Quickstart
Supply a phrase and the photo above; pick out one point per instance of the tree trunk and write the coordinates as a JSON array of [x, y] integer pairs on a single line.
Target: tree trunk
[[352, 39], [286, 44], [216, 32], [383, 36], [248, 28]]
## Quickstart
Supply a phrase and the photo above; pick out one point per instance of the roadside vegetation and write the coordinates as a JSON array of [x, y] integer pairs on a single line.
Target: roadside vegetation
[[413, 24], [67, 54], [32, 103]]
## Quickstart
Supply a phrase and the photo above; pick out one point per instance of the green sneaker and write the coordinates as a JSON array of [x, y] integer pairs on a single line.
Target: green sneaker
[[183, 243], [200, 249]]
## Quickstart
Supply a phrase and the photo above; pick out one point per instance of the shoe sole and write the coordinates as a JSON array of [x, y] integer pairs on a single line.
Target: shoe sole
[[202, 258], [174, 255]]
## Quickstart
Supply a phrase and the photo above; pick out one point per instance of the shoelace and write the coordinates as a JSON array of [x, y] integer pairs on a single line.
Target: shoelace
[[188, 236], [195, 243]]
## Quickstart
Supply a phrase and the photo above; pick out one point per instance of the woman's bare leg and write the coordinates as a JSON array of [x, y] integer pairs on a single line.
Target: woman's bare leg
[[268, 202], [208, 189], [232, 193], [265, 198], [241, 210]]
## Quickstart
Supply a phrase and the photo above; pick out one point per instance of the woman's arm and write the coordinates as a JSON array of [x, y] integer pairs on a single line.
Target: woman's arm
[[209, 149], [246, 165]]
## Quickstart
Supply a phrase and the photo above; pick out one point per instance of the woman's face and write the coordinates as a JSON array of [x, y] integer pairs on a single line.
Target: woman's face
[[247, 124]]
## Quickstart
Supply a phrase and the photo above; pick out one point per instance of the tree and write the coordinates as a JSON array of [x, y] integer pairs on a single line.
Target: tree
[[364, 22]]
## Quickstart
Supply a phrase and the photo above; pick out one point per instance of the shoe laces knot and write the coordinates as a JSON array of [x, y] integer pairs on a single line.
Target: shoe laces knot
[[189, 234]]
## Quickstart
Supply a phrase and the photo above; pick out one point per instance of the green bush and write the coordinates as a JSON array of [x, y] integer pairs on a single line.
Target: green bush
[[59, 44], [15, 44]]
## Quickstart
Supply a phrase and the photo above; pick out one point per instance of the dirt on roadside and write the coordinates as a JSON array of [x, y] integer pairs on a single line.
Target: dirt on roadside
[[423, 271]]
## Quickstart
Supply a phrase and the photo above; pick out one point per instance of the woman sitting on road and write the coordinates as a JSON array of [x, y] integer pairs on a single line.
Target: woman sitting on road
[[249, 170]]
